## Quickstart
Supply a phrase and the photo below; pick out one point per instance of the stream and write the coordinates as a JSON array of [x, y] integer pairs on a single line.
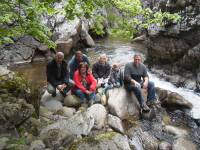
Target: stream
[[119, 52]]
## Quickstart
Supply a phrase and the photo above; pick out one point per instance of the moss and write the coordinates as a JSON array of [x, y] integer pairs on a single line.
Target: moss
[[94, 140]]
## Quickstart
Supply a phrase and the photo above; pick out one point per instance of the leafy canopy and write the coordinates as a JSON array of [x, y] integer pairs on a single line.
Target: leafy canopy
[[20, 17]]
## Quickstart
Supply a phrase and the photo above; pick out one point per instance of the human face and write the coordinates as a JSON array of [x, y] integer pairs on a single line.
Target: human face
[[83, 70], [102, 60], [79, 57], [137, 60], [59, 59]]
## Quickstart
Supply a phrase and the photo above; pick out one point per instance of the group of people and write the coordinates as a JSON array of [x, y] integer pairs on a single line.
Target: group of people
[[83, 81]]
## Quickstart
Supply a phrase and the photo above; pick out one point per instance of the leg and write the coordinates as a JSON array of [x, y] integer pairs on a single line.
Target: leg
[[51, 89], [80, 94], [151, 92]]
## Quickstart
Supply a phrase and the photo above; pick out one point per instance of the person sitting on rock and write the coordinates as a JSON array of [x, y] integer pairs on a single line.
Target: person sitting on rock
[[58, 75], [75, 60], [136, 78], [116, 77], [101, 70], [85, 84]]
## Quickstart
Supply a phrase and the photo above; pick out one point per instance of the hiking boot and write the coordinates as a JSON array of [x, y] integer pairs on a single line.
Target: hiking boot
[[145, 108]]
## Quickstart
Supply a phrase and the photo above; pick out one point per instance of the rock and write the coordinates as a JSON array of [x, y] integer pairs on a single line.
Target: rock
[[105, 141], [43, 48], [99, 113], [47, 97], [177, 101], [4, 71], [178, 132], [68, 112], [14, 113], [72, 101], [53, 105], [3, 142], [183, 144], [54, 138], [64, 46], [138, 138], [162, 94], [86, 37], [122, 104], [165, 146], [141, 38], [79, 124], [37, 145], [115, 123]]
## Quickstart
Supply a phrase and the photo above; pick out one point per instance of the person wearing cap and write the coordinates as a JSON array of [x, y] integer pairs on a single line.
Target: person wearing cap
[[136, 78], [58, 75], [75, 60]]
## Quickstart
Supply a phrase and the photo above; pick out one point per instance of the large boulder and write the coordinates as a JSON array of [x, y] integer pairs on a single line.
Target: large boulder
[[178, 132], [183, 144], [64, 46], [79, 124], [122, 104], [37, 145], [47, 97], [105, 141], [99, 113]]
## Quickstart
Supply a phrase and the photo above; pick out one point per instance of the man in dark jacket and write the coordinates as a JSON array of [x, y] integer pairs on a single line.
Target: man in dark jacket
[[75, 61], [58, 75], [101, 69], [135, 78]]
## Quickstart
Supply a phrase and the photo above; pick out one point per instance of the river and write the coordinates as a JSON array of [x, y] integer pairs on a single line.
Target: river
[[119, 52]]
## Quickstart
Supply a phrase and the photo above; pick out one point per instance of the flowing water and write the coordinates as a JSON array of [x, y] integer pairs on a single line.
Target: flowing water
[[118, 52]]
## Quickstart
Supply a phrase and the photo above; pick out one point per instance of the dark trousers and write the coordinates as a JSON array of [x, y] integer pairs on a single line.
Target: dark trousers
[[151, 92]]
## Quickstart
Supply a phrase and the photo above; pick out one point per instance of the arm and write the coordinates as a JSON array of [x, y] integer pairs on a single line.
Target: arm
[[94, 71], [78, 83], [108, 68], [66, 73], [145, 78], [50, 75], [93, 83]]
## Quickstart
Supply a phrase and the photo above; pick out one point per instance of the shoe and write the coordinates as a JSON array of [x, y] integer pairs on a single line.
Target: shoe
[[53, 95], [145, 108]]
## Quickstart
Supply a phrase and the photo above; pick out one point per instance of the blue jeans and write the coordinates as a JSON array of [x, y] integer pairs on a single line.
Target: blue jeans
[[151, 92], [83, 96]]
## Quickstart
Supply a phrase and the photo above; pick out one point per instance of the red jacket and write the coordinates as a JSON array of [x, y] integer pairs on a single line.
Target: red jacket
[[91, 81]]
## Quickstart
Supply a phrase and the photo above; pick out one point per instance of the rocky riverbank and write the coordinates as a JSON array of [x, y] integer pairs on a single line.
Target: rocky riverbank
[[64, 124]]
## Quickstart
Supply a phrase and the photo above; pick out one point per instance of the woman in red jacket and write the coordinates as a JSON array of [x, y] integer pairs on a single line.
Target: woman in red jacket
[[85, 83]]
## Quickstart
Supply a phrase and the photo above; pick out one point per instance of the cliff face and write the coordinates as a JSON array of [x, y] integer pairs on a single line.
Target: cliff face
[[176, 47]]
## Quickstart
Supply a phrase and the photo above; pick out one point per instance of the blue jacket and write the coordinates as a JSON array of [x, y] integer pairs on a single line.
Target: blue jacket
[[73, 64]]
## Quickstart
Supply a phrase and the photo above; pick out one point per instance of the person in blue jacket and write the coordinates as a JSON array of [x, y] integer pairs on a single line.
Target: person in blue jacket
[[75, 61]]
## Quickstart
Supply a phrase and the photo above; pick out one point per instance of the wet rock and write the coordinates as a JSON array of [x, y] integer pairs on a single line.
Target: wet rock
[[72, 101], [86, 37], [105, 141], [138, 137], [165, 146], [178, 132], [4, 71], [64, 46], [79, 124], [37, 145], [99, 113], [183, 144], [122, 104], [54, 138], [115, 123], [177, 101]]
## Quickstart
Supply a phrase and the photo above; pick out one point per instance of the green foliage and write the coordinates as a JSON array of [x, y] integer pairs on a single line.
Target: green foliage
[[20, 17], [98, 27]]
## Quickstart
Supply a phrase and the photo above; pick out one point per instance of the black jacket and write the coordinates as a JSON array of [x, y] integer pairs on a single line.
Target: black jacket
[[101, 71], [52, 73]]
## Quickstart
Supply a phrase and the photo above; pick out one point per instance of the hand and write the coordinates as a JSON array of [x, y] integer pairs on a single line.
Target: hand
[[88, 92], [59, 87], [145, 85]]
